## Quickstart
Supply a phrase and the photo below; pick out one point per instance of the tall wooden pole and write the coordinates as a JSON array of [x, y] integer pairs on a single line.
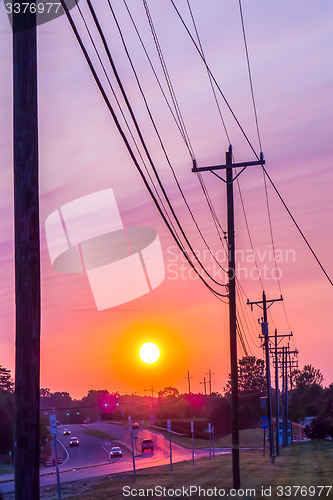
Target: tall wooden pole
[[228, 167], [232, 321], [27, 256], [264, 326], [277, 397]]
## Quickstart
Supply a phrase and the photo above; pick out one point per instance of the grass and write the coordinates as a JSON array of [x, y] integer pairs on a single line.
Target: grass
[[308, 464], [249, 438], [99, 434], [6, 469]]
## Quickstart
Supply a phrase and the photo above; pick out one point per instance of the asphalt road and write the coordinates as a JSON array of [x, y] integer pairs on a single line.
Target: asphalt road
[[91, 457]]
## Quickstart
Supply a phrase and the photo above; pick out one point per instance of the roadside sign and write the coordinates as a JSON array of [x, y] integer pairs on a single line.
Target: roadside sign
[[53, 421], [53, 424], [130, 422], [263, 403], [209, 428], [264, 422], [169, 425], [192, 427]]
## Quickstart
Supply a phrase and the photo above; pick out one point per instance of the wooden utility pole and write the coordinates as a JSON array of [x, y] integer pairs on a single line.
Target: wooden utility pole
[[277, 391], [210, 381], [229, 167], [264, 304], [205, 388], [204, 383], [189, 382], [264, 325], [277, 397], [27, 256]]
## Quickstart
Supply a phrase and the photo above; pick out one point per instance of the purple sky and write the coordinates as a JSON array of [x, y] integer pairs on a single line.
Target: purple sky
[[291, 53]]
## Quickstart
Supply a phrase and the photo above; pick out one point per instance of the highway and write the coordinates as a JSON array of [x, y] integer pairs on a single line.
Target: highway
[[91, 458]]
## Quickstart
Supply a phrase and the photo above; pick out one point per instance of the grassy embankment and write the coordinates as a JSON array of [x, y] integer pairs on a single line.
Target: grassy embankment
[[308, 463], [248, 438], [99, 434]]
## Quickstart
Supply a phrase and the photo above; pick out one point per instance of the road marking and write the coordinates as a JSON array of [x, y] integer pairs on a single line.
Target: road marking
[[65, 451]]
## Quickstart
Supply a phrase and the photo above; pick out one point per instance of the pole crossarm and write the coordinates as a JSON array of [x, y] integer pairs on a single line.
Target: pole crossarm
[[273, 336], [242, 165], [259, 302]]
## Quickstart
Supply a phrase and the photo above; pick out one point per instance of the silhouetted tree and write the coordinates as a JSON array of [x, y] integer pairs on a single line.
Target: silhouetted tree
[[6, 410], [308, 376], [168, 391], [318, 429], [6, 382], [251, 376]]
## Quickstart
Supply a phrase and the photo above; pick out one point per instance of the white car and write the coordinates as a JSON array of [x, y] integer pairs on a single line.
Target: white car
[[74, 441], [115, 452]]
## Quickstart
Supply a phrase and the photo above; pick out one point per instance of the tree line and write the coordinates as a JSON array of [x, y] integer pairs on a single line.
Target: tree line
[[307, 398]]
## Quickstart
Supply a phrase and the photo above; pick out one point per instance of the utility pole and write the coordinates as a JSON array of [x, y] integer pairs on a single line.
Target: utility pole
[[265, 336], [293, 363], [228, 167], [277, 392], [210, 381], [204, 383], [27, 255], [189, 383], [284, 352], [277, 397], [285, 389], [283, 400]]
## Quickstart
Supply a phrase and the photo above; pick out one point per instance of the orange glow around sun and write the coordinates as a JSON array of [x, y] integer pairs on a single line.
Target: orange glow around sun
[[135, 360]]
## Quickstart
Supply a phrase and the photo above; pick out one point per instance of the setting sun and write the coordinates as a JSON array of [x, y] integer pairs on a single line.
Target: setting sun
[[149, 353]]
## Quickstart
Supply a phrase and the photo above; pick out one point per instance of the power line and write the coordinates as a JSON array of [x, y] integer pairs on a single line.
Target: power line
[[128, 147], [208, 73], [179, 123], [123, 115], [165, 153], [249, 72], [214, 80], [260, 145], [249, 142], [297, 226], [130, 109], [244, 313]]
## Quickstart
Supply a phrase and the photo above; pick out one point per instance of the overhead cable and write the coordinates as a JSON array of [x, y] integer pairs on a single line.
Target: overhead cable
[[128, 147]]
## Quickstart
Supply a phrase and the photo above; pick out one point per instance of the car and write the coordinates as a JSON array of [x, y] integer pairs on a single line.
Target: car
[[136, 426], [74, 441], [115, 452], [146, 445], [67, 432]]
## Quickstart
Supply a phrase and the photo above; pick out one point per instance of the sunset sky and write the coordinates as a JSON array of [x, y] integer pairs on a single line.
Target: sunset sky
[[81, 152]]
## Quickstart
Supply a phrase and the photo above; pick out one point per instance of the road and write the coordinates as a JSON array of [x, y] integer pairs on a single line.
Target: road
[[91, 458]]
